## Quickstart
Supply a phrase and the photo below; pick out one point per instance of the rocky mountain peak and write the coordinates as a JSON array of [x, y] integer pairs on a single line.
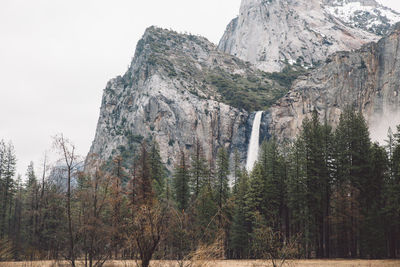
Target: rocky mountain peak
[[366, 79], [180, 90], [274, 33], [158, 40]]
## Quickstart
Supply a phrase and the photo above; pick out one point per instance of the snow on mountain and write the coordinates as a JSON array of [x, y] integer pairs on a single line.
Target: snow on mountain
[[274, 33], [367, 15]]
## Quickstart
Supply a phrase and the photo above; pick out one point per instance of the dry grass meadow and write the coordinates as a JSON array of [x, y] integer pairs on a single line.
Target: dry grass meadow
[[227, 263]]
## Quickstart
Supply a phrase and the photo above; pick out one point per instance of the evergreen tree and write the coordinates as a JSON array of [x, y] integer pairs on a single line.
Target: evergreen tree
[[372, 230], [392, 200], [317, 181], [31, 208], [352, 172], [181, 184], [240, 227], [205, 215], [327, 181], [143, 184], [221, 179], [17, 217], [255, 194], [236, 170], [2, 167], [273, 171], [297, 191], [7, 185], [309, 186], [199, 170], [157, 169]]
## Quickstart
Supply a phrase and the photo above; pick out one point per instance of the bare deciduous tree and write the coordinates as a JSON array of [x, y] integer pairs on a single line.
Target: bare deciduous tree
[[272, 244], [67, 151], [149, 218], [147, 229], [94, 195], [6, 250], [206, 255]]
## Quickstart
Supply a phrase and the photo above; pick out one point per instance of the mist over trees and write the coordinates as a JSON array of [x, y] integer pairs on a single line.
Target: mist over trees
[[328, 194]]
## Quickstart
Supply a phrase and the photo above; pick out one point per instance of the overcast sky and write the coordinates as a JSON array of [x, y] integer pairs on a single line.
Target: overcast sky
[[56, 57]]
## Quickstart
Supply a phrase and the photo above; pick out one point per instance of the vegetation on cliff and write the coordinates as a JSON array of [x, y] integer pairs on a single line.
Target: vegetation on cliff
[[208, 73]]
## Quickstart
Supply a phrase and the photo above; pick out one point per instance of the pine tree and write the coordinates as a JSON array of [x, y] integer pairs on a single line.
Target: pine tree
[[316, 140], [206, 215], [297, 191], [221, 179], [255, 194], [352, 172], [52, 234], [2, 182], [392, 200], [31, 207], [157, 169], [273, 171], [199, 171], [143, 186], [236, 171], [309, 186], [17, 217], [181, 184], [372, 236], [327, 181], [7, 185], [240, 227]]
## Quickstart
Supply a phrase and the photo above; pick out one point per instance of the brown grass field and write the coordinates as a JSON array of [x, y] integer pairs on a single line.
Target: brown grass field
[[222, 263]]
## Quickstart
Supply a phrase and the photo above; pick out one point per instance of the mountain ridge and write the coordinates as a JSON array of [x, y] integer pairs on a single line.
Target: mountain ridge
[[366, 79], [274, 33], [180, 89], [173, 93]]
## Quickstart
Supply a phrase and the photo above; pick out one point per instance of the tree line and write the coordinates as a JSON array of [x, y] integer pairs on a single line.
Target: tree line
[[327, 194]]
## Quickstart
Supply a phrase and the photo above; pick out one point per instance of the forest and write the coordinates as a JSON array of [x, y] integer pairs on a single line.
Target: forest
[[330, 193]]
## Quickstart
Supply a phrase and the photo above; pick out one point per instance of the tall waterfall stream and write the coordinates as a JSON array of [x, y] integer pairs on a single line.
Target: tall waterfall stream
[[252, 152]]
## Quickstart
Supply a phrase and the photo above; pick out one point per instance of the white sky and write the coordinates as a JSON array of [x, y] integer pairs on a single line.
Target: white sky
[[56, 57]]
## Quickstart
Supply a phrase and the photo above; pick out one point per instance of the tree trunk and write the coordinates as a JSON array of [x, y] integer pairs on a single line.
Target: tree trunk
[[145, 260], [71, 238]]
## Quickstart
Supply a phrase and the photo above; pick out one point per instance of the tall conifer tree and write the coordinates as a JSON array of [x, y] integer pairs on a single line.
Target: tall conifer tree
[[181, 183]]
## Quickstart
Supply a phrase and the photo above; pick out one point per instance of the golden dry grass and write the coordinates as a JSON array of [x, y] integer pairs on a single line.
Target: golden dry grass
[[226, 263]]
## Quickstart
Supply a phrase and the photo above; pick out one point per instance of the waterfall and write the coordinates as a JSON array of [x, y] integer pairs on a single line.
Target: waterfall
[[252, 152]]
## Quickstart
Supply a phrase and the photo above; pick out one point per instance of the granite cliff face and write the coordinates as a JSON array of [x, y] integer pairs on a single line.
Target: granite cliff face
[[177, 90], [274, 33], [181, 89], [367, 79]]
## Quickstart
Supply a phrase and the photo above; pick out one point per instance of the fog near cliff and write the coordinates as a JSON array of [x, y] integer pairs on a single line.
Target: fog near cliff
[[380, 124]]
